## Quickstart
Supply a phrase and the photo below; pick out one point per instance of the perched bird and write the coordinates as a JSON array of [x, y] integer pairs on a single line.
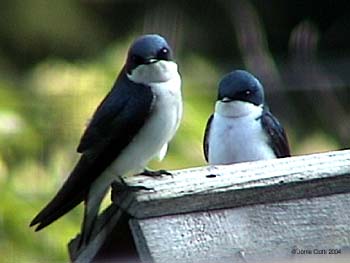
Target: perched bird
[[132, 125], [242, 128]]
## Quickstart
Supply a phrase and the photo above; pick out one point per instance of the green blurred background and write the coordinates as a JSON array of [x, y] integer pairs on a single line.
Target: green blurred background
[[58, 59]]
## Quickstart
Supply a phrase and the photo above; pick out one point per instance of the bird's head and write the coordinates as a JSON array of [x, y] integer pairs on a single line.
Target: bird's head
[[239, 94], [240, 85], [150, 60]]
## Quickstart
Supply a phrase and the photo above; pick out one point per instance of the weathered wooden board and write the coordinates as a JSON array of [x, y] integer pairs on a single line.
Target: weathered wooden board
[[247, 212], [256, 233], [228, 186]]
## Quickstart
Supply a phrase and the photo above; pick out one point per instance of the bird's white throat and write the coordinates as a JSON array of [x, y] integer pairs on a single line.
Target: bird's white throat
[[160, 71], [236, 134], [152, 140], [236, 109]]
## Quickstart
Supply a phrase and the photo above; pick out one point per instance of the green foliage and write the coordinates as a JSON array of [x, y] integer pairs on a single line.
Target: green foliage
[[41, 119], [47, 97]]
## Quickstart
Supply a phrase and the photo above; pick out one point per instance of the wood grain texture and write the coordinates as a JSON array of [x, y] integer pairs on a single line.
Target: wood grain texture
[[227, 186], [256, 233], [247, 212]]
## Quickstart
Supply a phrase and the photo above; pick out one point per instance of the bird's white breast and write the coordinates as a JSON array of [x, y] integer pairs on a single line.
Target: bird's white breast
[[236, 134], [159, 128]]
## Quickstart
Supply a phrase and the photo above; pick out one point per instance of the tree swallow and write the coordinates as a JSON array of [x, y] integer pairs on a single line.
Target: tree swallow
[[242, 128], [132, 125]]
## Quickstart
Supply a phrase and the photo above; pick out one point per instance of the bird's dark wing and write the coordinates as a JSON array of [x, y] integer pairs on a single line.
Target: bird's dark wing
[[120, 115], [116, 121], [276, 133], [206, 138]]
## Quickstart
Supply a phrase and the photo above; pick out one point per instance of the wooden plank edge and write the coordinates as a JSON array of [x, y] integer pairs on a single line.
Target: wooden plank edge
[[267, 181]]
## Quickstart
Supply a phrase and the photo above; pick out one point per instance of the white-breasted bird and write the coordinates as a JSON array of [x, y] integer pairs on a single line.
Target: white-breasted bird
[[242, 128], [132, 125]]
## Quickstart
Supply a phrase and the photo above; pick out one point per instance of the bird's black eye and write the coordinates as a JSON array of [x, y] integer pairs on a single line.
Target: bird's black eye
[[247, 92], [163, 54]]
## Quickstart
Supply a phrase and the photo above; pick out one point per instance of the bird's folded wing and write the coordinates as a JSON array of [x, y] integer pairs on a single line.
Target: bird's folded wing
[[278, 137], [116, 121], [206, 138]]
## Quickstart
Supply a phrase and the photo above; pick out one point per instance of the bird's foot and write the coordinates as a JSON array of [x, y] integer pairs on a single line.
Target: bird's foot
[[120, 190], [122, 186], [157, 173]]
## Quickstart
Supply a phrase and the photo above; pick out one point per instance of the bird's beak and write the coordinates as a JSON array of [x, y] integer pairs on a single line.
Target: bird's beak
[[226, 99], [150, 60]]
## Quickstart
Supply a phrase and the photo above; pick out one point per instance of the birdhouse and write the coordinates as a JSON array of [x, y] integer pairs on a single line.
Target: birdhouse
[[278, 210]]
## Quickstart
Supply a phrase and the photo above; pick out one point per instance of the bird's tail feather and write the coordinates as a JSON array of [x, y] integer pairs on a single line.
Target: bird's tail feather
[[52, 212], [73, 192]]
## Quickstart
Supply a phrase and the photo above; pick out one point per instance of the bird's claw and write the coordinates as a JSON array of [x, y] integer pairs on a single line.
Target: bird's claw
[[120, 189], [122, 186], [157, 173]]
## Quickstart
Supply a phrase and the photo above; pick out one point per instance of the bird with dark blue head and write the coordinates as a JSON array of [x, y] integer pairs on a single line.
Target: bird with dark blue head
[[242, 128], [132, 125], [147, 49], [240, 85]]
